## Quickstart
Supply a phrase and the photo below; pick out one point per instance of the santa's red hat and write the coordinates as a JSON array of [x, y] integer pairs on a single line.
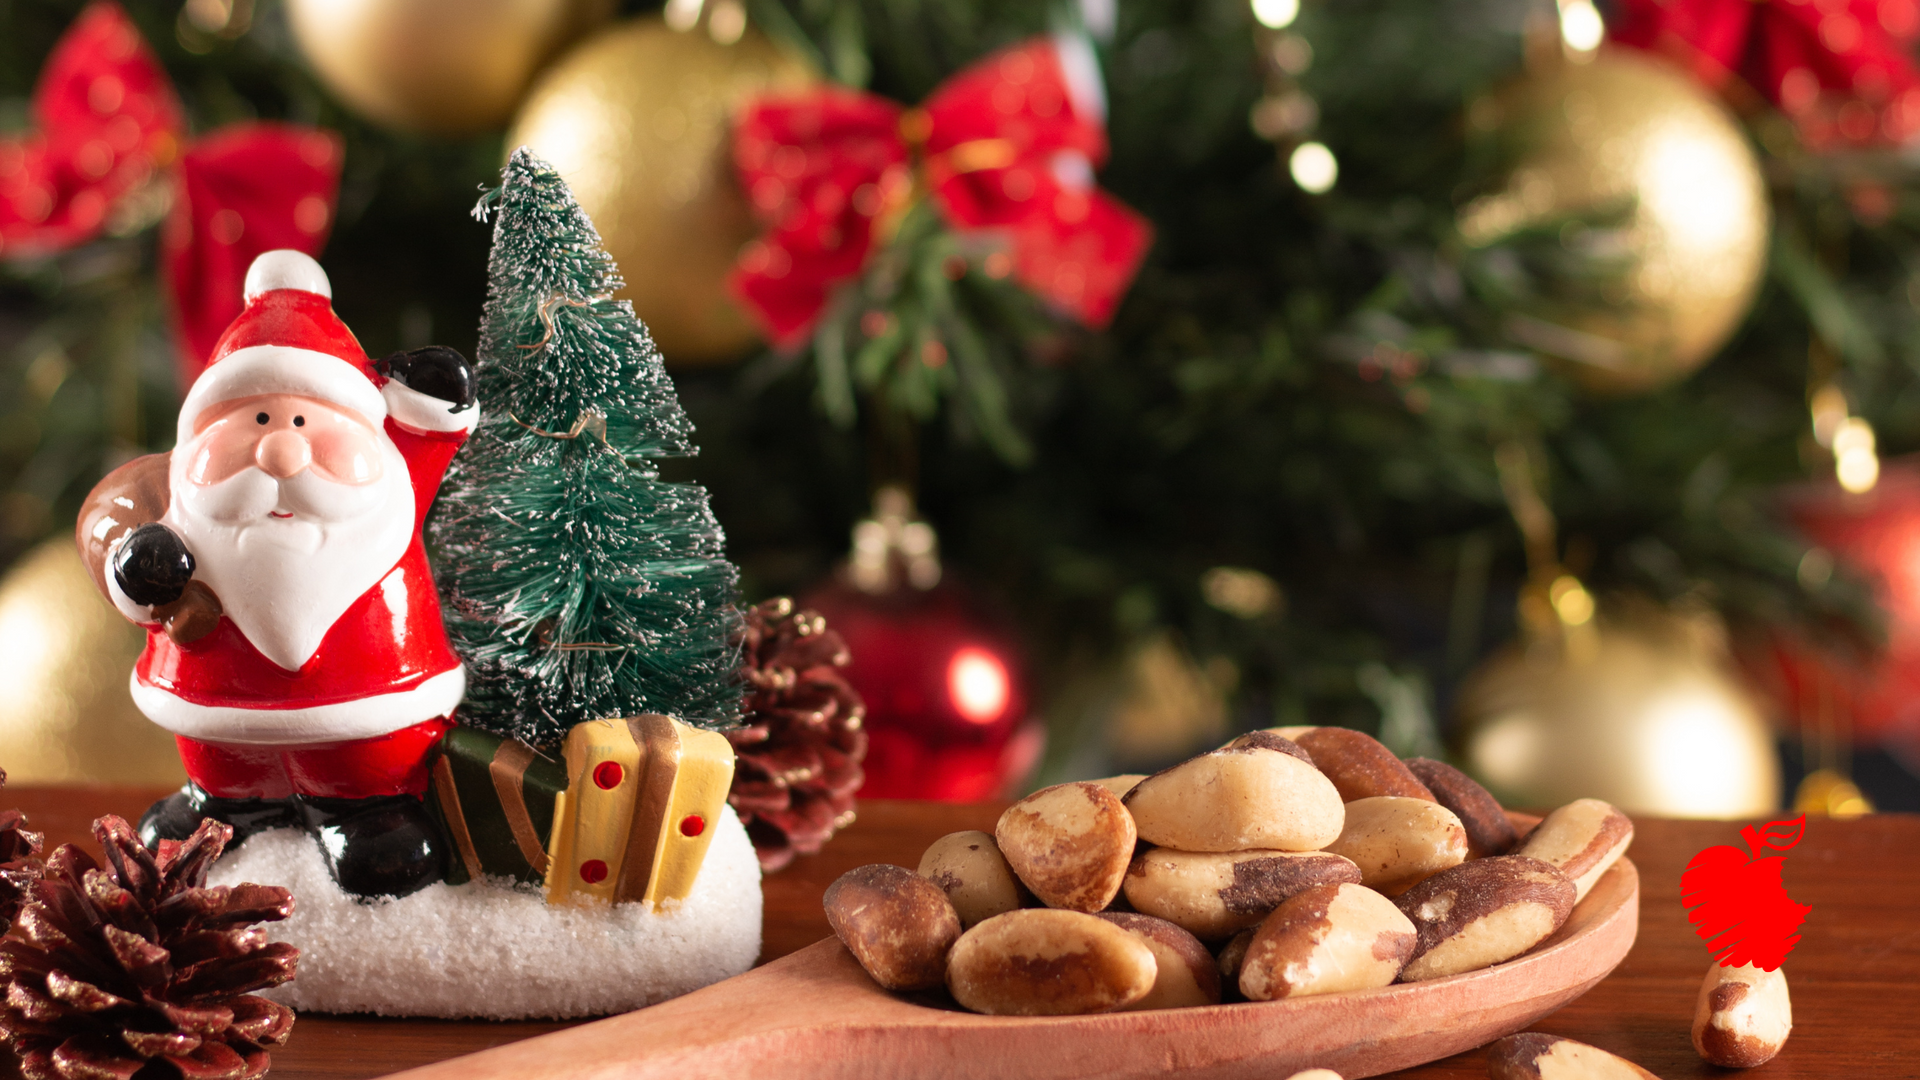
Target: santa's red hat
[[287, 341]]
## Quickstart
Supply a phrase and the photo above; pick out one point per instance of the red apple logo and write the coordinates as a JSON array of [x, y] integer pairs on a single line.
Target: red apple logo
[[1735, 900]]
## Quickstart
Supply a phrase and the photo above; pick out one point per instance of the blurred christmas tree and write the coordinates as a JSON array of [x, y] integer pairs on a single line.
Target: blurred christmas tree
[[1282, 458]]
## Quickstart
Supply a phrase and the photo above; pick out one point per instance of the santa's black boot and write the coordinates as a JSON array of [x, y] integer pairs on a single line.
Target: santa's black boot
[[385, 846], [176, 816]]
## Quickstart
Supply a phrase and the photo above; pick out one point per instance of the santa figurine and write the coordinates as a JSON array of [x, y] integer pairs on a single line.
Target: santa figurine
[[294, 642]]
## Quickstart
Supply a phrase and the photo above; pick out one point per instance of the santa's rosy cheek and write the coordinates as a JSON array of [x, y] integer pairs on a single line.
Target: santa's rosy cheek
[[345, 454], [222, 452]]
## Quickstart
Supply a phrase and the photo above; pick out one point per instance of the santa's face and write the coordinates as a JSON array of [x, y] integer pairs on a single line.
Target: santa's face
[[283, 434], [293, 508]]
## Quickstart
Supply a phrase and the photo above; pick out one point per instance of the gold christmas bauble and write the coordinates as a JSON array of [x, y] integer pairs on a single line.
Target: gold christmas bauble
[[637, 119], [67, 716], [443, 67], [1681, 207], [1642, 711], [1168, 706]]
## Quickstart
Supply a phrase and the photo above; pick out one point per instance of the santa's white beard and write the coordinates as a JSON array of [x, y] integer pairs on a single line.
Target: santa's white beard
[[284, 581]]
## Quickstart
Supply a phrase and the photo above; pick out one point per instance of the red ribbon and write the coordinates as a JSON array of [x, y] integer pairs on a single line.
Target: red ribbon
[[1005, 149], [108, 141], [1839, 68]]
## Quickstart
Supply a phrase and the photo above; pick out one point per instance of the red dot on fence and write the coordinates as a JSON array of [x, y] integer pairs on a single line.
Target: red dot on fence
[[692, 825], [593, 871], [608, 775]]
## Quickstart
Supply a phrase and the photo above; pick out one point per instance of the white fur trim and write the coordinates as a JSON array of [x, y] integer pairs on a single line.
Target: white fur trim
[[285, 268], [281, 369], [416, 411], [1082, 71], [365, 718]]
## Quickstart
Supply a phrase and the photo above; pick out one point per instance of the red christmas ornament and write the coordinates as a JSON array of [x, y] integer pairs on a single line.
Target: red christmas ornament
[[1840, 69], [945, 696], [1736, 903], [1877, 535], [945, 693], [1006, 148], [108, 130]]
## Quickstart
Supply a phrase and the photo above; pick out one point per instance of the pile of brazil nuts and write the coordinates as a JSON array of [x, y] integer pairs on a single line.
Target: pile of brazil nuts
[[1289, 862]]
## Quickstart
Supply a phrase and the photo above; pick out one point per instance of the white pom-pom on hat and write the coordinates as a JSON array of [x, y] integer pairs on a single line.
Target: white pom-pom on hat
[[286, 268]]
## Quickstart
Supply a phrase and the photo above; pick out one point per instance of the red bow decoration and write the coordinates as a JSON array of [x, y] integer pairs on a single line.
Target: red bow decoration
[[1839, 68], [107, 146], [1006, 148], [1736, 903]]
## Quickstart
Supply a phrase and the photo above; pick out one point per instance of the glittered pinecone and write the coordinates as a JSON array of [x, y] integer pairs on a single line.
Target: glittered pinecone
[[801, 743], [20, 864], [142, 966]]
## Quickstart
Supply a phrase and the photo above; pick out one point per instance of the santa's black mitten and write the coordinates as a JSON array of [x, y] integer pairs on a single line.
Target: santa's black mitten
[[435, 371], [153, 566]]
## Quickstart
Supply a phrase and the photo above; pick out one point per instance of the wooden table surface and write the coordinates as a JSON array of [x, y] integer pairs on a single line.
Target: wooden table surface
[[1855, 975]]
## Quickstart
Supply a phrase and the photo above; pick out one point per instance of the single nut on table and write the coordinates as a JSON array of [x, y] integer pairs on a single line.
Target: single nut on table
[[1489, 831], [1581, 839], [1185, 972], [1214, 894], [1360, 766], [1742, 1017], [1047, 962], [1069, 843], [1236, 798], [969, 868], [1327, 939], [1398, 842], [896, 923], [1533, 1056], [1121, 784], [1483, 912]]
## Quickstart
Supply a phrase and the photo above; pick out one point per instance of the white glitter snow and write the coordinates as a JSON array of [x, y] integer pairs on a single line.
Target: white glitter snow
[[499, 951]]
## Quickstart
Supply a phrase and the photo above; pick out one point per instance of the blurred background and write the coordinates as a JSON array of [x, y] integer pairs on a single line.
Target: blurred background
[[1531, 384]]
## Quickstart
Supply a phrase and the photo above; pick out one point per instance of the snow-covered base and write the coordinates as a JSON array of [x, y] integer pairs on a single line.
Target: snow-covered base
[[499, 951]]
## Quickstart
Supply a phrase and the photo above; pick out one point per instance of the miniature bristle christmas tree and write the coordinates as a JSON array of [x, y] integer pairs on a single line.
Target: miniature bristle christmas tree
[[578, 584]]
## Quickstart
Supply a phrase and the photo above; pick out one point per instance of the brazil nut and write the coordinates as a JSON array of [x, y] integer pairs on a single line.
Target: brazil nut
[[1236, 798], [897, 924], [1214, 894]]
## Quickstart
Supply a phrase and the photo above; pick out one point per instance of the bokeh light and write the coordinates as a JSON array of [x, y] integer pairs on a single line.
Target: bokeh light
[[979, 685], [1313, 167]]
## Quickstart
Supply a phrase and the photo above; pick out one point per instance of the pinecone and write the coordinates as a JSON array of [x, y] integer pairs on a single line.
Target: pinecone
[[111, 972], [801, 743], [20, 864]]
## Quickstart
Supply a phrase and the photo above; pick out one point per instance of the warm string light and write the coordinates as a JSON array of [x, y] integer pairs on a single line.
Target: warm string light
[[1276, 14], [1286, 114], [726, 21], [1313, 167], [1581, 28], [1856, 455]]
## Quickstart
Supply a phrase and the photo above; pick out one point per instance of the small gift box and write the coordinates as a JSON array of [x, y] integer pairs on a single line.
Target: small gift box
[[626, 814], [495, 797]]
